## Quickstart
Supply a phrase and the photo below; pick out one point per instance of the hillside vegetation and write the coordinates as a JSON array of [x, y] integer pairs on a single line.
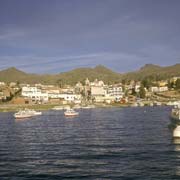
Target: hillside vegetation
[[154, 72], [99, 72]]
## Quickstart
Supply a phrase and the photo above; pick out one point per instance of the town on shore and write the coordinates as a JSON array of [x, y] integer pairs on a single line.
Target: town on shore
[[14, 95]]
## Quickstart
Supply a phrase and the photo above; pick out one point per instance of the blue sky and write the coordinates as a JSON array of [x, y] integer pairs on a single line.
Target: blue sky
[[51, 36]]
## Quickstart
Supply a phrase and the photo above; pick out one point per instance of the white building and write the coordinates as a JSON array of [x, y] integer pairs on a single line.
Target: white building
[[97, 83], [115, 92], [97, 91], [137, 87], [159, 89], [37, 94], [162, 89], [34, 93], [2, 83], [70, 97]]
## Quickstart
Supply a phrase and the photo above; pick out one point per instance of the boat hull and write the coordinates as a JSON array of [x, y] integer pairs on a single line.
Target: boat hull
[[22, 117], [57, 108], [37, 114], [71, 115], [176, 132], [27, 114]]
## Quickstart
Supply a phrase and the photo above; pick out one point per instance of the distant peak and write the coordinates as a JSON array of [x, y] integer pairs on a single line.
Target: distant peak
[[150, 66], [13, 70], [100, 66]]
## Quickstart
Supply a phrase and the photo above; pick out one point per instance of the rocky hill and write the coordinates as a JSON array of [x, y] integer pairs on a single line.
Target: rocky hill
[[153, 71], [99, 72]]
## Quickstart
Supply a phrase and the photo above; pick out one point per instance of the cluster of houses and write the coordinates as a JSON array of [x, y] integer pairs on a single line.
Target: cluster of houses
[[96, 91], [8, 90]]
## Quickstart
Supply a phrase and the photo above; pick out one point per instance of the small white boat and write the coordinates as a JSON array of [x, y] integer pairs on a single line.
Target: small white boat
[[88, 107], [27, 113], [170, 103], [57, 108], [175, 114], [134, 105], [35, 113], [70, 113], [157, 103], [141, 104], [22, 114], [176, 132]]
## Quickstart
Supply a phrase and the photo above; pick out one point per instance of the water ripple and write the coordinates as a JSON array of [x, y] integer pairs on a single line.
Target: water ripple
[[109, 143]]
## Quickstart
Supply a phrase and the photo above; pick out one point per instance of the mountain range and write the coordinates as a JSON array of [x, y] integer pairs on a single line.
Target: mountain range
[[99, 72]]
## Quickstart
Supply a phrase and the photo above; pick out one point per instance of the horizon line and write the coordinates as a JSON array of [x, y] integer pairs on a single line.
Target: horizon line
[[87, 67]]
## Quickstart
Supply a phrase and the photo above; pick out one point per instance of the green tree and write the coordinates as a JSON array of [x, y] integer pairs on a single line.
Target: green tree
[[170, 84], [134, 92], [60, 83], [142, 92], [178, 84], [146, 83], [123, 81]]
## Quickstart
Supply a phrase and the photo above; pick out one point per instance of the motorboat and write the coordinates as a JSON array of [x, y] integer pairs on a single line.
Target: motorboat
[[175, 119], [175, 103], [22, 114], [70, 113], [141, 104], [88, 107], [57, 108], [34, 113], [176, 132], [157, 103], [175, 114], [134, 105], [27, 113]]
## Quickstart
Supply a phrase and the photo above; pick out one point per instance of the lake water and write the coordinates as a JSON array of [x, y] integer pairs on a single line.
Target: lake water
[[104, 143]]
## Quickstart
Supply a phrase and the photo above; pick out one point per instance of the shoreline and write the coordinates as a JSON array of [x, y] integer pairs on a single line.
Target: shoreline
[[14, 107], [44, 107]]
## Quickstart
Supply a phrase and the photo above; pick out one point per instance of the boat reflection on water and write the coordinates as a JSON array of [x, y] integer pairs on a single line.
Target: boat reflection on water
[[21, 119]]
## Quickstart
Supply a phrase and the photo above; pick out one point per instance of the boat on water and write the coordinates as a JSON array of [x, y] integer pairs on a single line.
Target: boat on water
[[175, 114], [141, 104], [27, 113], [173, 103], [175, 121], [88, 107], [157, 103], [71, 113], [176, 132], [134, 105], [57, 108]]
